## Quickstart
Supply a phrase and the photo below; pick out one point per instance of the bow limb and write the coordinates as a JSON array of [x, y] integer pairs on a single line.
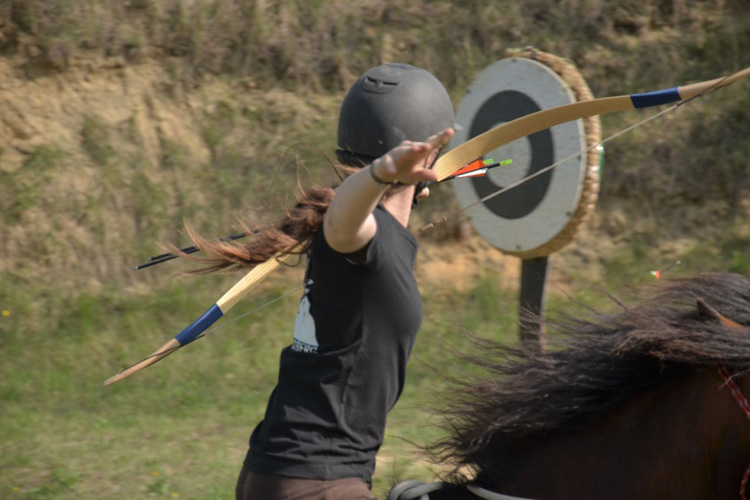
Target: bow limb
[[484, 143], [226, 302], [447, 165]]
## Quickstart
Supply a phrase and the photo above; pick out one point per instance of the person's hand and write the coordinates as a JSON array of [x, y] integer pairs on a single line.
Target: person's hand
[[409, 162]]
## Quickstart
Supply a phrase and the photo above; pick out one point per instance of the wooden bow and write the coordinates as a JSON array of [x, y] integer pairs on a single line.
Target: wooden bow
[[546, 118], [447, 165]]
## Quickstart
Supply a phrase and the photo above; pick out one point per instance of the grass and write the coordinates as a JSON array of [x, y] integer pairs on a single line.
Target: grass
[[65, 436], [25, 189], [75, 217], [265, 80], [95, 140], [179, 429]]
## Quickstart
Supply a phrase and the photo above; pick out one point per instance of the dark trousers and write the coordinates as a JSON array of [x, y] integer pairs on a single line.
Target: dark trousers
[[254, 486]]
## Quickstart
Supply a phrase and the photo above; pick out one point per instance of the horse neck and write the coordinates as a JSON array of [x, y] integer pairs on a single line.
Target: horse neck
[[683, 439]]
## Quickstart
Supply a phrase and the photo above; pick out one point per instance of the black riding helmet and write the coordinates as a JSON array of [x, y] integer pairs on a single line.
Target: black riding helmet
[[389, 104]]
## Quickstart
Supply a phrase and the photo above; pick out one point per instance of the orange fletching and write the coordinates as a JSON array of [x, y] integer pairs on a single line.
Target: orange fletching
[[475, 165]]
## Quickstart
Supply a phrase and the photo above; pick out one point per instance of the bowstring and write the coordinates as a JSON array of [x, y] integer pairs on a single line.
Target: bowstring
[[549, 168], [499, 192], [543, 170], [215, 329]]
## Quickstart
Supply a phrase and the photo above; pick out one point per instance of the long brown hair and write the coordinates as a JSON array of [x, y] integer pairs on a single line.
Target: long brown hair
[[300, 224]]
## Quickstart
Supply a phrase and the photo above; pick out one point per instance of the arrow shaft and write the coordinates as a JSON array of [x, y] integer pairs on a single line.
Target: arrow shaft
[[524, 126], [158, 259], [446, 166]]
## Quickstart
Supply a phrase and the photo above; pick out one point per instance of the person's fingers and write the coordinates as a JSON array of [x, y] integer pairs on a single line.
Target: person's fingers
[[433, 142], [407, 161], [424, 193], [406, 155], [417, 152], [422, 150], [441, 138]]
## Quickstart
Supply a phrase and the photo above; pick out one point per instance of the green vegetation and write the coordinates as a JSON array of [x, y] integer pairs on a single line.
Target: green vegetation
[[95, 140], [179, 428], [25, 189], [286, 65], [81, 209]]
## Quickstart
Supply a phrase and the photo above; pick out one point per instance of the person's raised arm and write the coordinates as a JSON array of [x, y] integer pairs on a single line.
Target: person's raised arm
[[349, 224]]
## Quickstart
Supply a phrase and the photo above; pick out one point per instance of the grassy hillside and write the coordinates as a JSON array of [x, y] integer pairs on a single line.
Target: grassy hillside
[[122, 121]]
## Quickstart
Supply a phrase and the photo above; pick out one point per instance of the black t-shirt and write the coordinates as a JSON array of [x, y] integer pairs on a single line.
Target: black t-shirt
[[355, 329]]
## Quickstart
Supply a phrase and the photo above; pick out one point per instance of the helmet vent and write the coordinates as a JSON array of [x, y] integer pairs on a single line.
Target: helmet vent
[[377, 86]]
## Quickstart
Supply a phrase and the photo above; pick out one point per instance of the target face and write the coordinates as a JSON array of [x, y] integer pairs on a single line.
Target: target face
[[529, 216]]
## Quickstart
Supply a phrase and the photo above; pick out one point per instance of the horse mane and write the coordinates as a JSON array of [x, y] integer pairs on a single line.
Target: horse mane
[[591, 366]]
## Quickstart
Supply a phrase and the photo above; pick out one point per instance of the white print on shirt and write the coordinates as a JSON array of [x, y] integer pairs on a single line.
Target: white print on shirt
[[305, 339]]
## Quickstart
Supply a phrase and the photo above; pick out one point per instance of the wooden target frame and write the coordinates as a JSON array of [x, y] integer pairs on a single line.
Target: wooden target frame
[[594, 156]]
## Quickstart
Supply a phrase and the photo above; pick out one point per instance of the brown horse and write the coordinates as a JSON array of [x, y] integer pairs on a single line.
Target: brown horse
[[625, 406]]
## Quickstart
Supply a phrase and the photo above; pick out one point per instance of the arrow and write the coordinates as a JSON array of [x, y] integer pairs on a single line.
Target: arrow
[[477, 168], [446, 166], [546, 118]]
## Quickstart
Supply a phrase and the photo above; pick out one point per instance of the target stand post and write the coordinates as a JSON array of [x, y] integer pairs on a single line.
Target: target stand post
[[542, 215], [532, 301]]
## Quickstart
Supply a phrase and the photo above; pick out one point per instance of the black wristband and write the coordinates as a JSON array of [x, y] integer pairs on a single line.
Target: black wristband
[[378, 179]]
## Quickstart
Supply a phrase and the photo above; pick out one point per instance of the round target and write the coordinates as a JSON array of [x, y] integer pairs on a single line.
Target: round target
[[541, 215]]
